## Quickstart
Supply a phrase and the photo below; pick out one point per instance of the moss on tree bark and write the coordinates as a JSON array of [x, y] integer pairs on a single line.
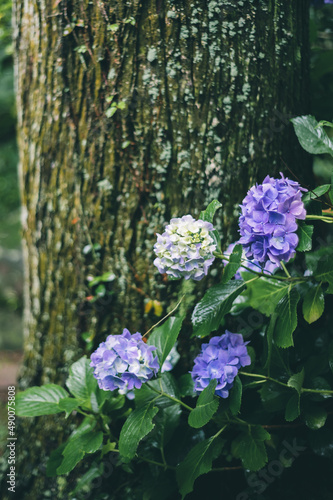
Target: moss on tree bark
[[202, 93]]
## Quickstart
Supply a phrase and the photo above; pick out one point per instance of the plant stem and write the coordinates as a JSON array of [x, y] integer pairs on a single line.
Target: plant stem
[[162, 393], [261, 273], [165, 317], [303, 389], [329, 220], [220, 431], [163, 456], [89, 415], [285, 269], [160, 464]]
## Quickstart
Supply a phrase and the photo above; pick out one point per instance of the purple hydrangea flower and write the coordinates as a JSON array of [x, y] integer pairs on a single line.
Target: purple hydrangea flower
[[220, 359], [185, 249], [250, 264], [124, 362], [268, 221]]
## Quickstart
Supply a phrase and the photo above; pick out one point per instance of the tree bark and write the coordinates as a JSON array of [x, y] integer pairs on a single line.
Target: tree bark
[[203, 91]]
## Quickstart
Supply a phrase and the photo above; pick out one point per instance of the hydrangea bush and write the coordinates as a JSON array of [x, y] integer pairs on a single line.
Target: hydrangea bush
[[221, 400]]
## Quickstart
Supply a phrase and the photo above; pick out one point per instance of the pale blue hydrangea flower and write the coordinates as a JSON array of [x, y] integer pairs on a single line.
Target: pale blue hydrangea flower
[[185, 249], [124, 362]]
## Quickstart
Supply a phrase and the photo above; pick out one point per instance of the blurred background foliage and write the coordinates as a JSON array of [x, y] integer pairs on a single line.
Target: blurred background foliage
[[321, 60], [321, 42], [10, 253]]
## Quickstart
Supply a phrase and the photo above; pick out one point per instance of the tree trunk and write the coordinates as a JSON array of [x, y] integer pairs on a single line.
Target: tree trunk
[[130, 113]]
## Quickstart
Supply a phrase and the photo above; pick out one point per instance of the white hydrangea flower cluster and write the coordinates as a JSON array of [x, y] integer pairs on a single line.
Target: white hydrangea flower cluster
[[185, 249]]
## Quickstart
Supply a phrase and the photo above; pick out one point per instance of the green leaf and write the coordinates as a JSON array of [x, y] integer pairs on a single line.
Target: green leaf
[[269, 338], [330, 355], [323, 255], [314, 140], [110, 111], [313, 304], [77, 446], [313, 208], [167, 421], [87, 478], [89, 442], [208, 214], [95, 281], [264, 294], [107, 277], [316, 193], [136, 427], [71, 459], [68, 405], [325, 123], [81, 381], [250, 447], [121, 105], [186, 385], [304, 234], [109, 400], [296, 381], [37, 401], [88, 425], [319, 383], [292, 408], [325, 272], [235, 396], [315, 417], [166, 383], [287, 318], [217, 239], [165, 336], [330, 193], [217, 302], [100, 291], [198, 461], [54, 461], [206, 406], [274, 397], [233, 265], [112, 27]]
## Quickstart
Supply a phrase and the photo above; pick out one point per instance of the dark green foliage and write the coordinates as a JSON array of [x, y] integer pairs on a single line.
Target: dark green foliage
[[206, 407], [217, 302]]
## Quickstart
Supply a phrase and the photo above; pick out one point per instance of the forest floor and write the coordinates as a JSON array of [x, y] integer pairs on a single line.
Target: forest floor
[[9, 367]]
